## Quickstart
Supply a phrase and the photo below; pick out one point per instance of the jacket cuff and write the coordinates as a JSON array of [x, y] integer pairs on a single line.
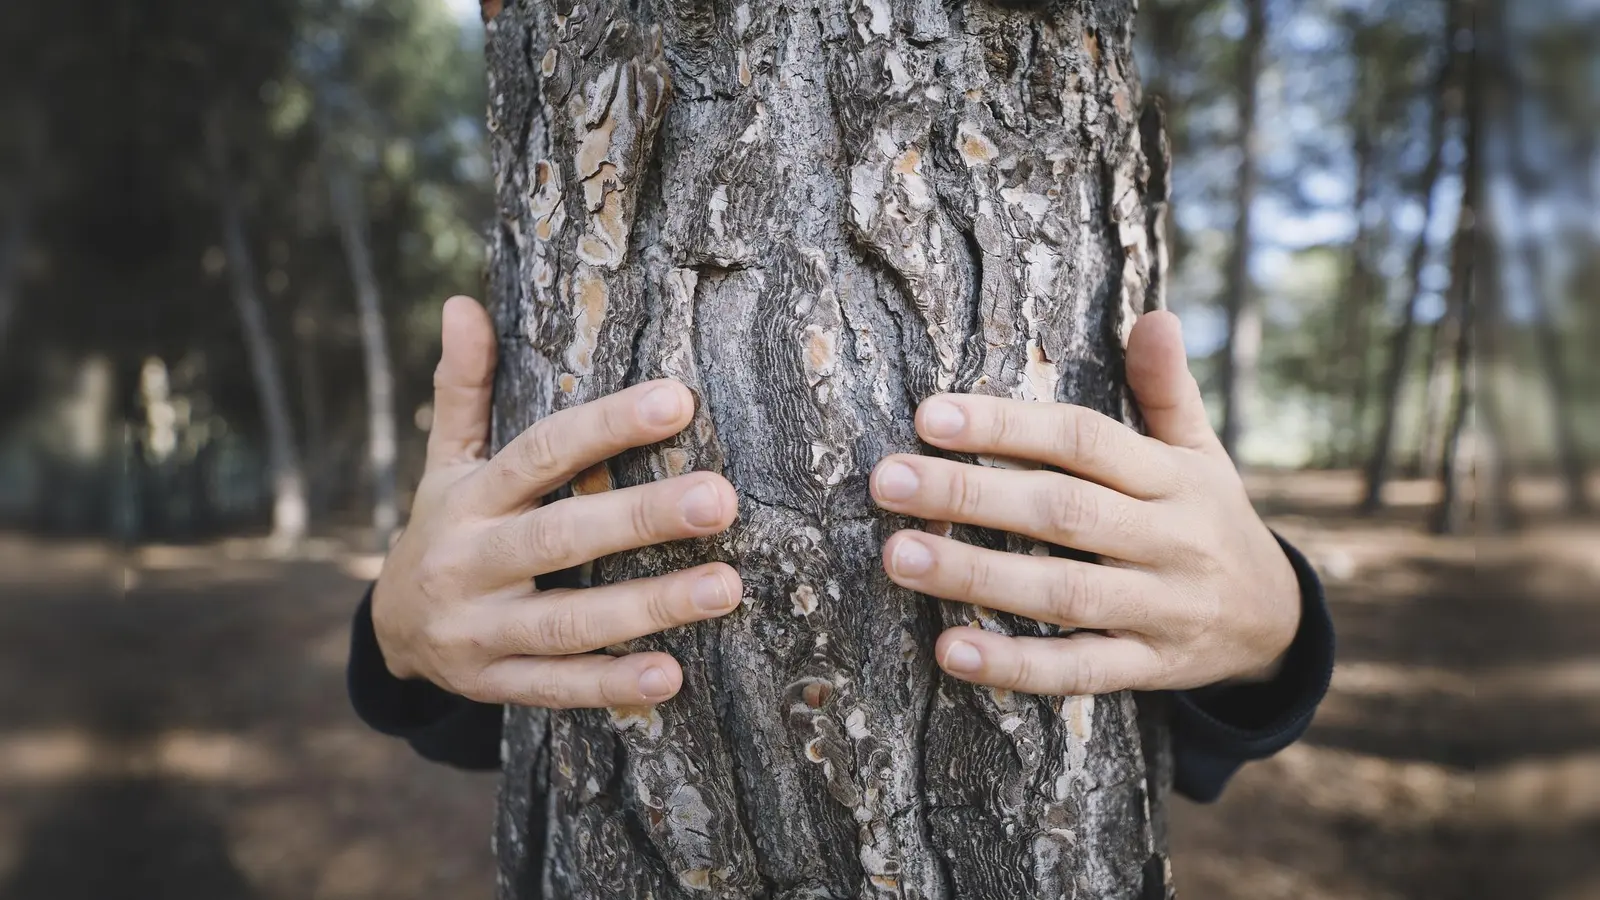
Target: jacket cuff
[[440, 726], [1223, 727]]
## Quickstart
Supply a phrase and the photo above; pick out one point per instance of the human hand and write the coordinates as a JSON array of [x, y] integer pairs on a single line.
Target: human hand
[[456, 602], [1195, 590]]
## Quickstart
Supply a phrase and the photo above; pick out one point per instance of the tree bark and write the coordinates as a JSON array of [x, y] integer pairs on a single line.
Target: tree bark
[[1242, 351], [344, 193], [1380, 457], [289, 510], [816, 215]]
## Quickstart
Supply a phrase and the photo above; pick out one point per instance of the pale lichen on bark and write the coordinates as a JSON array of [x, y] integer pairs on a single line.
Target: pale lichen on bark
[[814, 215]]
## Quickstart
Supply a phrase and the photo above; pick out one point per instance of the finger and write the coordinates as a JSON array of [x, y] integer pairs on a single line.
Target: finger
[[1167, 393], [580, 682], [1074, 665], [463, 384], [1059, 591], [561, 445], [559, 623], [576, 530], [1048, 506], [1073, 438]]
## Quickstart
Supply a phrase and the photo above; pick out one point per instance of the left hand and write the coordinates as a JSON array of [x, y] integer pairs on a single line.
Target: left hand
[[1194, 589]]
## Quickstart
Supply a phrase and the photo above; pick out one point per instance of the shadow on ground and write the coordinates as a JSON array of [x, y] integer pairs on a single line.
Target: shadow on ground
[[173, 725], [1458, 754]]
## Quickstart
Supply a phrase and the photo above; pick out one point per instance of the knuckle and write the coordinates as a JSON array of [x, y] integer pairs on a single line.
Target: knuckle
[[1010, 426], [1084, 435], [538, 457], [1073, 599], [1068, 512], [976, 579], [547, 539], [643, 522], [966, 493], [563, 628], [477, 684], [1082, 673]]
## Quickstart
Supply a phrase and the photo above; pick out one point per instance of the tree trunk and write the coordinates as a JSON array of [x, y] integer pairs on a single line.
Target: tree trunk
[[1457, 470], [344, 193], [309, 318], [13, 242], [1378, 461], [17, 223], [289, 516], [1242, 351], [1552, 363], [1438, 385], [1351, 369], [815, 216]]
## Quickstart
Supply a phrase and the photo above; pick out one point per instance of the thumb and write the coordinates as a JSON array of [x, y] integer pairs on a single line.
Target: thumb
[[1168, 396], [463, 385]]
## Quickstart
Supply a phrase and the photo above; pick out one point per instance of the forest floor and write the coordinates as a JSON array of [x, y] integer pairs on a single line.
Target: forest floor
[[173, 725]]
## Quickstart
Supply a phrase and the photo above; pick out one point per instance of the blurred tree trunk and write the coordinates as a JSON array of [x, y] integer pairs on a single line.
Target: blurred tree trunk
[[1444, 100], [1553, 366], [822, 215], [1242, 350], [1439, 380], [289, 511], [1469, 476], [349, 211], [13, 243], [309, 318], [1531, 184], [1351, 369], [16, 219]]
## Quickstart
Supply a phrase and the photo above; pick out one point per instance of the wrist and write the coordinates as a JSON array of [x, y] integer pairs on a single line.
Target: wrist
[[389, 644]]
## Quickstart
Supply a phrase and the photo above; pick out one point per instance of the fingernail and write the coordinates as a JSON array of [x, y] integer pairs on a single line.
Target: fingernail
[[912, 558], [662, 406], [654, 683], [896, 481], [702, 507], [942, 419], [709, 594], [963, 657]]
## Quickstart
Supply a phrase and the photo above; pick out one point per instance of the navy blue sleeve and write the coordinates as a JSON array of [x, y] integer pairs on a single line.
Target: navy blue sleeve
[[1215, 730], [439, 725]]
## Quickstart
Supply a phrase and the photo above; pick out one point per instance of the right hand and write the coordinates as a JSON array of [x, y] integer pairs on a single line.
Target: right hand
[[456, 602]]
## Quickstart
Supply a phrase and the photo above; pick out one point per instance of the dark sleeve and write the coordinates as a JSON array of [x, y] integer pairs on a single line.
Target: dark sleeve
[[1216, 730], [439, 725]]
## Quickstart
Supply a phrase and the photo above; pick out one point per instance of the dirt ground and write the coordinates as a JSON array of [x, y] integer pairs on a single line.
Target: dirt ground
[[173, 727]]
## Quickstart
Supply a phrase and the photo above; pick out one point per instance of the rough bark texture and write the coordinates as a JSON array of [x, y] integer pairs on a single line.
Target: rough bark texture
[[1241, 352], [344, 195], [815, 215], [289, 510]]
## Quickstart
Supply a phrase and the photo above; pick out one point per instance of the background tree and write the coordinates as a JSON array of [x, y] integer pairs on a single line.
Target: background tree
[[815, 217]]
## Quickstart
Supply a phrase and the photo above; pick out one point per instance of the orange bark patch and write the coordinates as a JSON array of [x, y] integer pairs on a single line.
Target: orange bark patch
[[594, 480], [817, 693], [907, 162], [490, 8], [819, 350], [1091, 42]]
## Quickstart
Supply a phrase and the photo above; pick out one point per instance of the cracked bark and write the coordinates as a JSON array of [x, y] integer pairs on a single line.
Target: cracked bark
[[815, 215]]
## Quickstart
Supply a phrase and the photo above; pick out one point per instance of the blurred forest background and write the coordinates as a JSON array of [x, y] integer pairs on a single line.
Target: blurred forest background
[[226, 230]]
